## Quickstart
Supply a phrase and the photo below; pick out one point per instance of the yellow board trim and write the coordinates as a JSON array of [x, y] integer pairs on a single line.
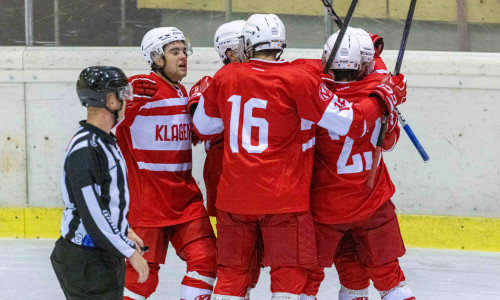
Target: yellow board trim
[[439, 232]]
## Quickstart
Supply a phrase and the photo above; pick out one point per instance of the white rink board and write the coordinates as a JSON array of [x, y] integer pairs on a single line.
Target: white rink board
[[453, 106]]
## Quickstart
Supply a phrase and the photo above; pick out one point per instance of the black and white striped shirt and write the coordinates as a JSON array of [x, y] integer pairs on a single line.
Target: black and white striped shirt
[[95, 192]]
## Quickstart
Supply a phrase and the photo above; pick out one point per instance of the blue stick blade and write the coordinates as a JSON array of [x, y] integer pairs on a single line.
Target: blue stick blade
[[416, 143]]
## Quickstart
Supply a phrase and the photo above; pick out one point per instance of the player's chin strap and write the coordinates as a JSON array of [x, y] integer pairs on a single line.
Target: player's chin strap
[[162, 72]]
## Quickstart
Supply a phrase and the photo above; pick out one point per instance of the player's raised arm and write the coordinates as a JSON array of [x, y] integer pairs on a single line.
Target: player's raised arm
[[207, 121]]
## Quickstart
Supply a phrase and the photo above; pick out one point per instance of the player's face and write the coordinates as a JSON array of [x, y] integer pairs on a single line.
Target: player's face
[[231, 55], [176, 60]]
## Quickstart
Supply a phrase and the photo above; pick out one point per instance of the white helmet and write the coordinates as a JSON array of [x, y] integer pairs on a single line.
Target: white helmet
[[263, 32], [154, 40], [348, 57], [366, 46], [227, 37]]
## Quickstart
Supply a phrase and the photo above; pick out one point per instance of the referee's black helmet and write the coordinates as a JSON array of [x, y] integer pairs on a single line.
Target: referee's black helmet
[[94, 83]]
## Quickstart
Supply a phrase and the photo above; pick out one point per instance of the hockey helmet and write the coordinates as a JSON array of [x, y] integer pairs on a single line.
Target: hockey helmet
[[227, 37], [348, 56], [262, 32], [94, 83], [154, 40]]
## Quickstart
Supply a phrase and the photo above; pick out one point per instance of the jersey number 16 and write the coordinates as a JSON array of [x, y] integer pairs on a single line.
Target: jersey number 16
[[249, 121]]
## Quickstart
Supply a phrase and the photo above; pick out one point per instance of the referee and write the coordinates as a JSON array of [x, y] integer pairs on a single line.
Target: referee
[[88, 259]]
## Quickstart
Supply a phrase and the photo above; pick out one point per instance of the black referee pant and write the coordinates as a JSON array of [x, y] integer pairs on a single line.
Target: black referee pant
[[88, 273]]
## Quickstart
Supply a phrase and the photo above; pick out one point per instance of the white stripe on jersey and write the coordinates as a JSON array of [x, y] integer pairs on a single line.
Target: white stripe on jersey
[[305, 124], [158, 132], [70, 207], [164, 167], [114, 192], [80, 145], [73, 141], [310, 143], [206, 125], [107, 226], [336, 120], [380, 71], [165, 103]]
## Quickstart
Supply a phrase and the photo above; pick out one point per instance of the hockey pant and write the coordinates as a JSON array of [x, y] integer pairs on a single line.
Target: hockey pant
[[289, 249], [194, 243], [362, 250]]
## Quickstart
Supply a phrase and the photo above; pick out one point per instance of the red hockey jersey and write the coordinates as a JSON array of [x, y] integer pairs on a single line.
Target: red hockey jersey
[[341, 165], [259, 106], [155, 138]]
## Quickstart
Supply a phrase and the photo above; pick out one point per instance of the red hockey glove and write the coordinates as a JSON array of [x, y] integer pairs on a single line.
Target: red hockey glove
[[378, 43], [195, 139], [195, 93], [393, 122], [392, 91], [143, 87]]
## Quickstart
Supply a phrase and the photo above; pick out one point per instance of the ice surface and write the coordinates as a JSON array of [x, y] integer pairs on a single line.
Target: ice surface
[[26, 273]]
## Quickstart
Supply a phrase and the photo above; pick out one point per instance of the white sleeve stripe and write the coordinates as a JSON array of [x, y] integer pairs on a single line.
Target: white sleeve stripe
[[76, 138], [165, 103], [305, 124], [164, 167], [79, 146], [105, 226], [310, 143], [364, 128], [206, 125], [336, 120], [381, 71]]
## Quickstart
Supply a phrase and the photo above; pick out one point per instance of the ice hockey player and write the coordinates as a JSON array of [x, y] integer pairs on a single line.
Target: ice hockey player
[[225, 43], [356, 227], [88, 259], [166, 205], [263, 193]]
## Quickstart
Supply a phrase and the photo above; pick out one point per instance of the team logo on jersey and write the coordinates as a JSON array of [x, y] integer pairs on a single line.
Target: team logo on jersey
[[361, 298], [203, 297], [324, 93], [93, 143], [78, 238]]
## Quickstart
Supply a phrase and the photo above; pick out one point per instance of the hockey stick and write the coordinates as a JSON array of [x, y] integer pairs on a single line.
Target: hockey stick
[[413, 138], [405, 125], [343, 29], [332, 13], [399, 61]]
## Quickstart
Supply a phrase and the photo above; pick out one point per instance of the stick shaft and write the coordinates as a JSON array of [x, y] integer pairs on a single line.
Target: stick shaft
[[404, 37], [332, 13]]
